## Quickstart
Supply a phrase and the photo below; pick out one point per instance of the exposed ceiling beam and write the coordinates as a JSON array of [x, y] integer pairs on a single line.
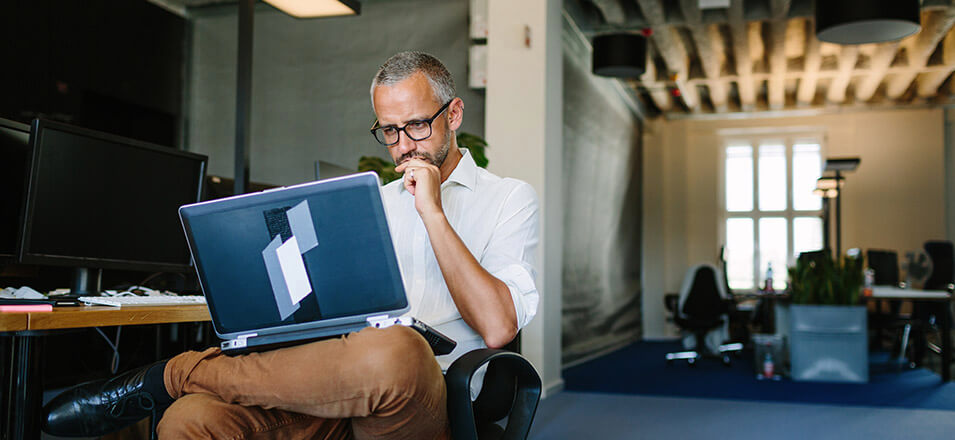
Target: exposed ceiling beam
[[672, 50], [936, 26], [879, 64], [709, 48], [612, 11], [848, 56], [657, 90], [777, 53], [928, 83], [806, 91], [825, 73], [741, 54]]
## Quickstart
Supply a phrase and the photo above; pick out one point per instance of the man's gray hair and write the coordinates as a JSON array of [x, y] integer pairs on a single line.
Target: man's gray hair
[[404, 64]]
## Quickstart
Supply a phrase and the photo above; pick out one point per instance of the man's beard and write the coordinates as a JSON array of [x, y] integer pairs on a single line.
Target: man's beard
[[436, 159]]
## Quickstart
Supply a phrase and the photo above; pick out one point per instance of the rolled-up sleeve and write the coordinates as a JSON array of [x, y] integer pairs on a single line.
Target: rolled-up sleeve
[[511, 252]]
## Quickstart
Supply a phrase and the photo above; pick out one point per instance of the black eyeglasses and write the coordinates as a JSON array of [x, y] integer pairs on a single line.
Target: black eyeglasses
[[416, 130]]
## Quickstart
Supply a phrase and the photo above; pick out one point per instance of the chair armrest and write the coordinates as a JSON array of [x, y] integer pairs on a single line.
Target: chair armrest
[[512, 388], [671, 300]]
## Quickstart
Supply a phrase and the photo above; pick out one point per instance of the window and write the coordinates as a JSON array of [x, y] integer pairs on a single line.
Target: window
[[771, 214]]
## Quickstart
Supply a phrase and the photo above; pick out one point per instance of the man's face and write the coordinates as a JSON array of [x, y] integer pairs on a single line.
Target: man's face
[[413, 100]]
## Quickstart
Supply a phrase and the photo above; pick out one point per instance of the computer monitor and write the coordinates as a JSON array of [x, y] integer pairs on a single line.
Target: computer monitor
[[14, 155], [95, 200]]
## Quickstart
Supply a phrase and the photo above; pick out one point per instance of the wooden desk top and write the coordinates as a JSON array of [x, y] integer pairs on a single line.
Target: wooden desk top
[[101, 316]]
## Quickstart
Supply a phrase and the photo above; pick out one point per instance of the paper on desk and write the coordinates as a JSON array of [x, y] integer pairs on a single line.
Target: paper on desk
[[26, 292]]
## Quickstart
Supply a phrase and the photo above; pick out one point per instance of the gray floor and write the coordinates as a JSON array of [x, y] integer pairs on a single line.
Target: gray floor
[[573, 415]]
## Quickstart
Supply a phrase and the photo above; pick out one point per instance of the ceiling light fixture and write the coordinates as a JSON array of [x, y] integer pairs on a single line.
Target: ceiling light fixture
[[620, 55], [866, 21], [317, 8]]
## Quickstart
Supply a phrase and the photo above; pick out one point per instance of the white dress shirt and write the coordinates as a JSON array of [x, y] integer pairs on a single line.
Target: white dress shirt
[[498, 221]]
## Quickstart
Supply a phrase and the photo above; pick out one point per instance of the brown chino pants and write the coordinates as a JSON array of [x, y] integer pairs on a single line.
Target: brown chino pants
[[371, 384]]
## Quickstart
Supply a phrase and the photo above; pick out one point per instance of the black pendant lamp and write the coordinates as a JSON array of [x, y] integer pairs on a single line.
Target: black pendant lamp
[[866, 21], [620, 55]]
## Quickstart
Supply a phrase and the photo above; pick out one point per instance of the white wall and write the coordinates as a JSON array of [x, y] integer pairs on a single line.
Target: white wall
[[523, 126], [895, 200]]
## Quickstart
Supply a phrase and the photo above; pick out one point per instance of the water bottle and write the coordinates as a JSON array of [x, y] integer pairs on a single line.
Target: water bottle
[[869, 274], [768, 287], [768, 367]]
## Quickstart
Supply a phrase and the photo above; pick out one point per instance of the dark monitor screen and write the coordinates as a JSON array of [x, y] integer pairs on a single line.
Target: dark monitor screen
[[14, 154], [97, 200]]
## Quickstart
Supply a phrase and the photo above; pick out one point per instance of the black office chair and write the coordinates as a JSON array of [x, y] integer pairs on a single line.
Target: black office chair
[[511, 390], [885, 264], [942, 254], [701, 308]]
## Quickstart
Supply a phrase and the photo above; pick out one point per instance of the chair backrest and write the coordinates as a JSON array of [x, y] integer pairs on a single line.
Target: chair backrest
[[886, 266], [702, 293], [942, 254]]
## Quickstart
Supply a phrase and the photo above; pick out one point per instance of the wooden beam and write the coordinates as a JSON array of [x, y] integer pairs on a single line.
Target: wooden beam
[[848, 57], [776, 87], [928, 83], [744, 64], [672, 50], [806, 91], [612, 11], [937, 25], [657, 90], [879, 64], [708, 48], [824, 73]]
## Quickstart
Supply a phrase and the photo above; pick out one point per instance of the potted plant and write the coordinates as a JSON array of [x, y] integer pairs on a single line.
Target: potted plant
[[828, 337]]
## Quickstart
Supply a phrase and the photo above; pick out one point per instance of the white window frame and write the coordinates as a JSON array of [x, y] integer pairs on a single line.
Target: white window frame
[[754, 138]]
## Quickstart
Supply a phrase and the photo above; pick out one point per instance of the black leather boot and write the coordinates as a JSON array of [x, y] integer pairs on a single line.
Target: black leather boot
[[100, 407]]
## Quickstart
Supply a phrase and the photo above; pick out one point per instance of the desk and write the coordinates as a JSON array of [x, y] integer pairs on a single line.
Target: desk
[[23, 389], [944, 320]]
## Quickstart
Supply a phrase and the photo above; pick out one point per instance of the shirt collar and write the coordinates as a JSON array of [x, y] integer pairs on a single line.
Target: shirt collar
[[464, 174]]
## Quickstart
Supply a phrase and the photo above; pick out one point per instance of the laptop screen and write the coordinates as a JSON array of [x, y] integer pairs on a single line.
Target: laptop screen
[[289, 258]]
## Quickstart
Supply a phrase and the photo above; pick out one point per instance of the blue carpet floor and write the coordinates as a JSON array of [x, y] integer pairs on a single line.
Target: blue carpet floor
[[640, 368]]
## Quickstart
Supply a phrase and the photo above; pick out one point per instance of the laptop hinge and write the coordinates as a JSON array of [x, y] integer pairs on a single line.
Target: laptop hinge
[[380, 321], [242, 340]]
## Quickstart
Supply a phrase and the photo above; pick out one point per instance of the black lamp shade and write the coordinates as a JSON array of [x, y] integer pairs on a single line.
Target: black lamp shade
[[621, 55], [866, 21]]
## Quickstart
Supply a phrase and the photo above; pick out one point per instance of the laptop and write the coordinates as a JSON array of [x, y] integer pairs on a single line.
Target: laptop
[[297, 264]]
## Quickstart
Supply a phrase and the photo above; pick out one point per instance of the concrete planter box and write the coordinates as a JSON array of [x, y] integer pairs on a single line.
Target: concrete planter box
[[829, 343]]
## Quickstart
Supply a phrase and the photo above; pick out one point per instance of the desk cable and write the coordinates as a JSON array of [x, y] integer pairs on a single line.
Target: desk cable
[[114, 364]]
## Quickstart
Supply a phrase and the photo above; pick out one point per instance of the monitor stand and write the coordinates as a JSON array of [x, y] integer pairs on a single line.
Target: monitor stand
[[81, 285]]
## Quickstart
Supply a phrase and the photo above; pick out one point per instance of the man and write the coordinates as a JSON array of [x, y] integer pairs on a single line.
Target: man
[[466, 239]]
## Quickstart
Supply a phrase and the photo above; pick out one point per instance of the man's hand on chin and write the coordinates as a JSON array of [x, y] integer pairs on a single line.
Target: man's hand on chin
[[423, 181]]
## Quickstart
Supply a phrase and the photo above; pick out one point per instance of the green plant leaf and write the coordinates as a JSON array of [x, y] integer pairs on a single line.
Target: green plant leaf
[[824, 281], [384, 168], [476, 145]]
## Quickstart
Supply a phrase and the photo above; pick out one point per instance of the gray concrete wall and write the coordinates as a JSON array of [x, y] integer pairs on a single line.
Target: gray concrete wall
[[310, 82], [602, 210]]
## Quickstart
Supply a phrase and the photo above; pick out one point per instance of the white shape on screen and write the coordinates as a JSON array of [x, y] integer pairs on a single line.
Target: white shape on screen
[[293, 269]]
